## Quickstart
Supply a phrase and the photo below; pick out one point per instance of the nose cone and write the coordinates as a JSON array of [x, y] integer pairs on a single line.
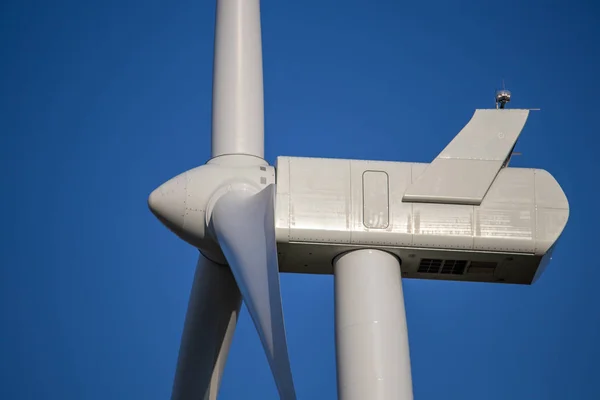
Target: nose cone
[[167, 202]]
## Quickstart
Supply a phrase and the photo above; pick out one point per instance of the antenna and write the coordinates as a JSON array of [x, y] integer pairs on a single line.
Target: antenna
[[502, 96]]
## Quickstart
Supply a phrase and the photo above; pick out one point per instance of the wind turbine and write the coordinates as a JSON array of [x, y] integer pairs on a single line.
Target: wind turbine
[[466, 216]]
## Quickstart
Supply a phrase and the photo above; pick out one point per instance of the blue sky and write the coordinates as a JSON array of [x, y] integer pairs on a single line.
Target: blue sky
[[100, 102]]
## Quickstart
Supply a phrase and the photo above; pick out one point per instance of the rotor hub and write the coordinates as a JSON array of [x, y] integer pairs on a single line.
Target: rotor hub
[[184, 203]]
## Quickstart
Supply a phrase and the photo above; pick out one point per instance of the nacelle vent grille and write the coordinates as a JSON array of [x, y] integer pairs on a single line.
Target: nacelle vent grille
[[437, 266]]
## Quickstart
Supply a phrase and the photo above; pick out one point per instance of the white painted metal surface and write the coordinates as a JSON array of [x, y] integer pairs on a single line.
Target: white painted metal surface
[[238, 107], [226, 208], [373, 360], [184, 201], [214, 304], [464, 171], [323, 201], [332, 202], [242, 222], [376, 200]]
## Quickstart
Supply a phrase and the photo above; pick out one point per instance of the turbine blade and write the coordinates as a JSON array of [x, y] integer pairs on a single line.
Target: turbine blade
[[244, 224], [238, 104], [211, 318]]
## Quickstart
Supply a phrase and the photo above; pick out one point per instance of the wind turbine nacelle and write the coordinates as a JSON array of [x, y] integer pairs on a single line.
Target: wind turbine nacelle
[[325, 207], [465, 216]]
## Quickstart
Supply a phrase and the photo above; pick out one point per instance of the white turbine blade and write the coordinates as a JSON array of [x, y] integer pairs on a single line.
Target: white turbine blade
[[244, 224], [211, 317], [238, 106]]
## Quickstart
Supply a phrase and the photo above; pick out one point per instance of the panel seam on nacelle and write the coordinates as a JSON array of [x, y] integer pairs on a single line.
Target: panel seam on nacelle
[[349, 214]]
